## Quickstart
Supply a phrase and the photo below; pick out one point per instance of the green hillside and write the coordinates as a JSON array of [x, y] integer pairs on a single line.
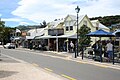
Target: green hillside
[[108, 20]]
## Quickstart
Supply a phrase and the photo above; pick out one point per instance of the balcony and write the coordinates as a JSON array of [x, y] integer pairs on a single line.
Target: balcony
[[53, 32]]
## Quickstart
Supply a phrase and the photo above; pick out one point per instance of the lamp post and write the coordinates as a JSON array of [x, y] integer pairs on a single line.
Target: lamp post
[[56, 42], [77, 11]]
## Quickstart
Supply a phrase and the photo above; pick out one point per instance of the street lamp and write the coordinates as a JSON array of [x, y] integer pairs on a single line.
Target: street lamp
[[77, 11]]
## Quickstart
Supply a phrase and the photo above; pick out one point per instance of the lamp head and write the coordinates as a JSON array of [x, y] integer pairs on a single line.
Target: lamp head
[[77, 9]]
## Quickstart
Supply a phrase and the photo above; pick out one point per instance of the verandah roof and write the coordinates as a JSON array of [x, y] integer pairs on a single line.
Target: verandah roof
[[74, 36]]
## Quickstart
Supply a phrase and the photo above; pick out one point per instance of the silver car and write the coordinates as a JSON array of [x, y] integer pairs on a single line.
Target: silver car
[[9, 46]]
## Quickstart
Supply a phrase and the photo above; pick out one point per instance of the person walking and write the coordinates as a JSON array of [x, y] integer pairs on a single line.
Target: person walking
[[71, 46]]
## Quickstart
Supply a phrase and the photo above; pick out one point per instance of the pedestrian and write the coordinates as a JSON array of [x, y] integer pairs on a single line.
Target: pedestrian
[[96, 48], [71, 46], [40, 46], [31, 45], [109, 48], [64, 47]]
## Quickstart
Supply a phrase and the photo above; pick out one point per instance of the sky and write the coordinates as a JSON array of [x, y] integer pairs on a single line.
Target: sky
[[34, 12]]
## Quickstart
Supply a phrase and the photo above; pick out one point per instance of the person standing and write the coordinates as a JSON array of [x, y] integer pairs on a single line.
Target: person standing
[[64, 47], [31, 45], [96, 48], [71, 46], [109, 48]]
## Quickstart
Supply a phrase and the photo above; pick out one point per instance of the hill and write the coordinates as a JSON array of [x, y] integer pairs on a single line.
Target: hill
[[108, 20]]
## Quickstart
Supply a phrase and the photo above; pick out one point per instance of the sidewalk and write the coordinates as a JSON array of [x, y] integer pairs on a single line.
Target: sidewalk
[[13, 69], [90, 61]]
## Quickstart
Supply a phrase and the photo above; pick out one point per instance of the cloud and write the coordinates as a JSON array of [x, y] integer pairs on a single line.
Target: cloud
[[102, 8], [24, 23], [0, 15], [39, 10], [12, 19], [48, 10]]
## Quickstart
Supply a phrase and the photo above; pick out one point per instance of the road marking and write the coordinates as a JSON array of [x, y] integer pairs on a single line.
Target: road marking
[[82, 62], [48, 69], [34, 64], [68, 77], [103, 66], [68, 58]]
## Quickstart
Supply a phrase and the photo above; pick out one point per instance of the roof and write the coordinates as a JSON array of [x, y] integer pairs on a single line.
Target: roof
[[80, 18], [54, 24], [101, 26], [35, 32], [95, 20], [74, 19], [18, 31]]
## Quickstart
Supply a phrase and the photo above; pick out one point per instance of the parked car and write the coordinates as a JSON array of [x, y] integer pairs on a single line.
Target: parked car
[[9, 46]]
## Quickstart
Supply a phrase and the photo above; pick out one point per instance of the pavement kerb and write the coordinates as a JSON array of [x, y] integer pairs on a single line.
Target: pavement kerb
[[70, 57], [109, 65]]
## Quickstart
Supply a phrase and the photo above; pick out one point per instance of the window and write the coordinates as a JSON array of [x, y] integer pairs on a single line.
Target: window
[[71, 27], [67, 28]]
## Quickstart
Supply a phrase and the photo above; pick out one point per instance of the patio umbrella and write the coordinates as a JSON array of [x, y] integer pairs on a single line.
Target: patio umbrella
[[100, 33]]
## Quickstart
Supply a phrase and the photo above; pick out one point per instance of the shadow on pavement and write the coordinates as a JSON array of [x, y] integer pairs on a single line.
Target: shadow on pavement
[[7, 60], [4, 74]]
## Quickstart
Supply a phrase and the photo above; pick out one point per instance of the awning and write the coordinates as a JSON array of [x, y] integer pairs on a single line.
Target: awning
[[64, 36], [74, 36], [45, 37]]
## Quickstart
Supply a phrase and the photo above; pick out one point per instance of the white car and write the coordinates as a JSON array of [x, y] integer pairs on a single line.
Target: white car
[[9, 46]]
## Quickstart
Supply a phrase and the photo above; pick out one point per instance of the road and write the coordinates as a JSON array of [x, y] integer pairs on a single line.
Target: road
[[63, 67]]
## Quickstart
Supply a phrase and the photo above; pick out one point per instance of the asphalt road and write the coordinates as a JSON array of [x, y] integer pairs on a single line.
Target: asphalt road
[[69, 69]]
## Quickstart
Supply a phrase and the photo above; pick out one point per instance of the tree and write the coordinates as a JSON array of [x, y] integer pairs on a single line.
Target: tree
[[44, 24], [84, 40], [4, 32], [2, 26]]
